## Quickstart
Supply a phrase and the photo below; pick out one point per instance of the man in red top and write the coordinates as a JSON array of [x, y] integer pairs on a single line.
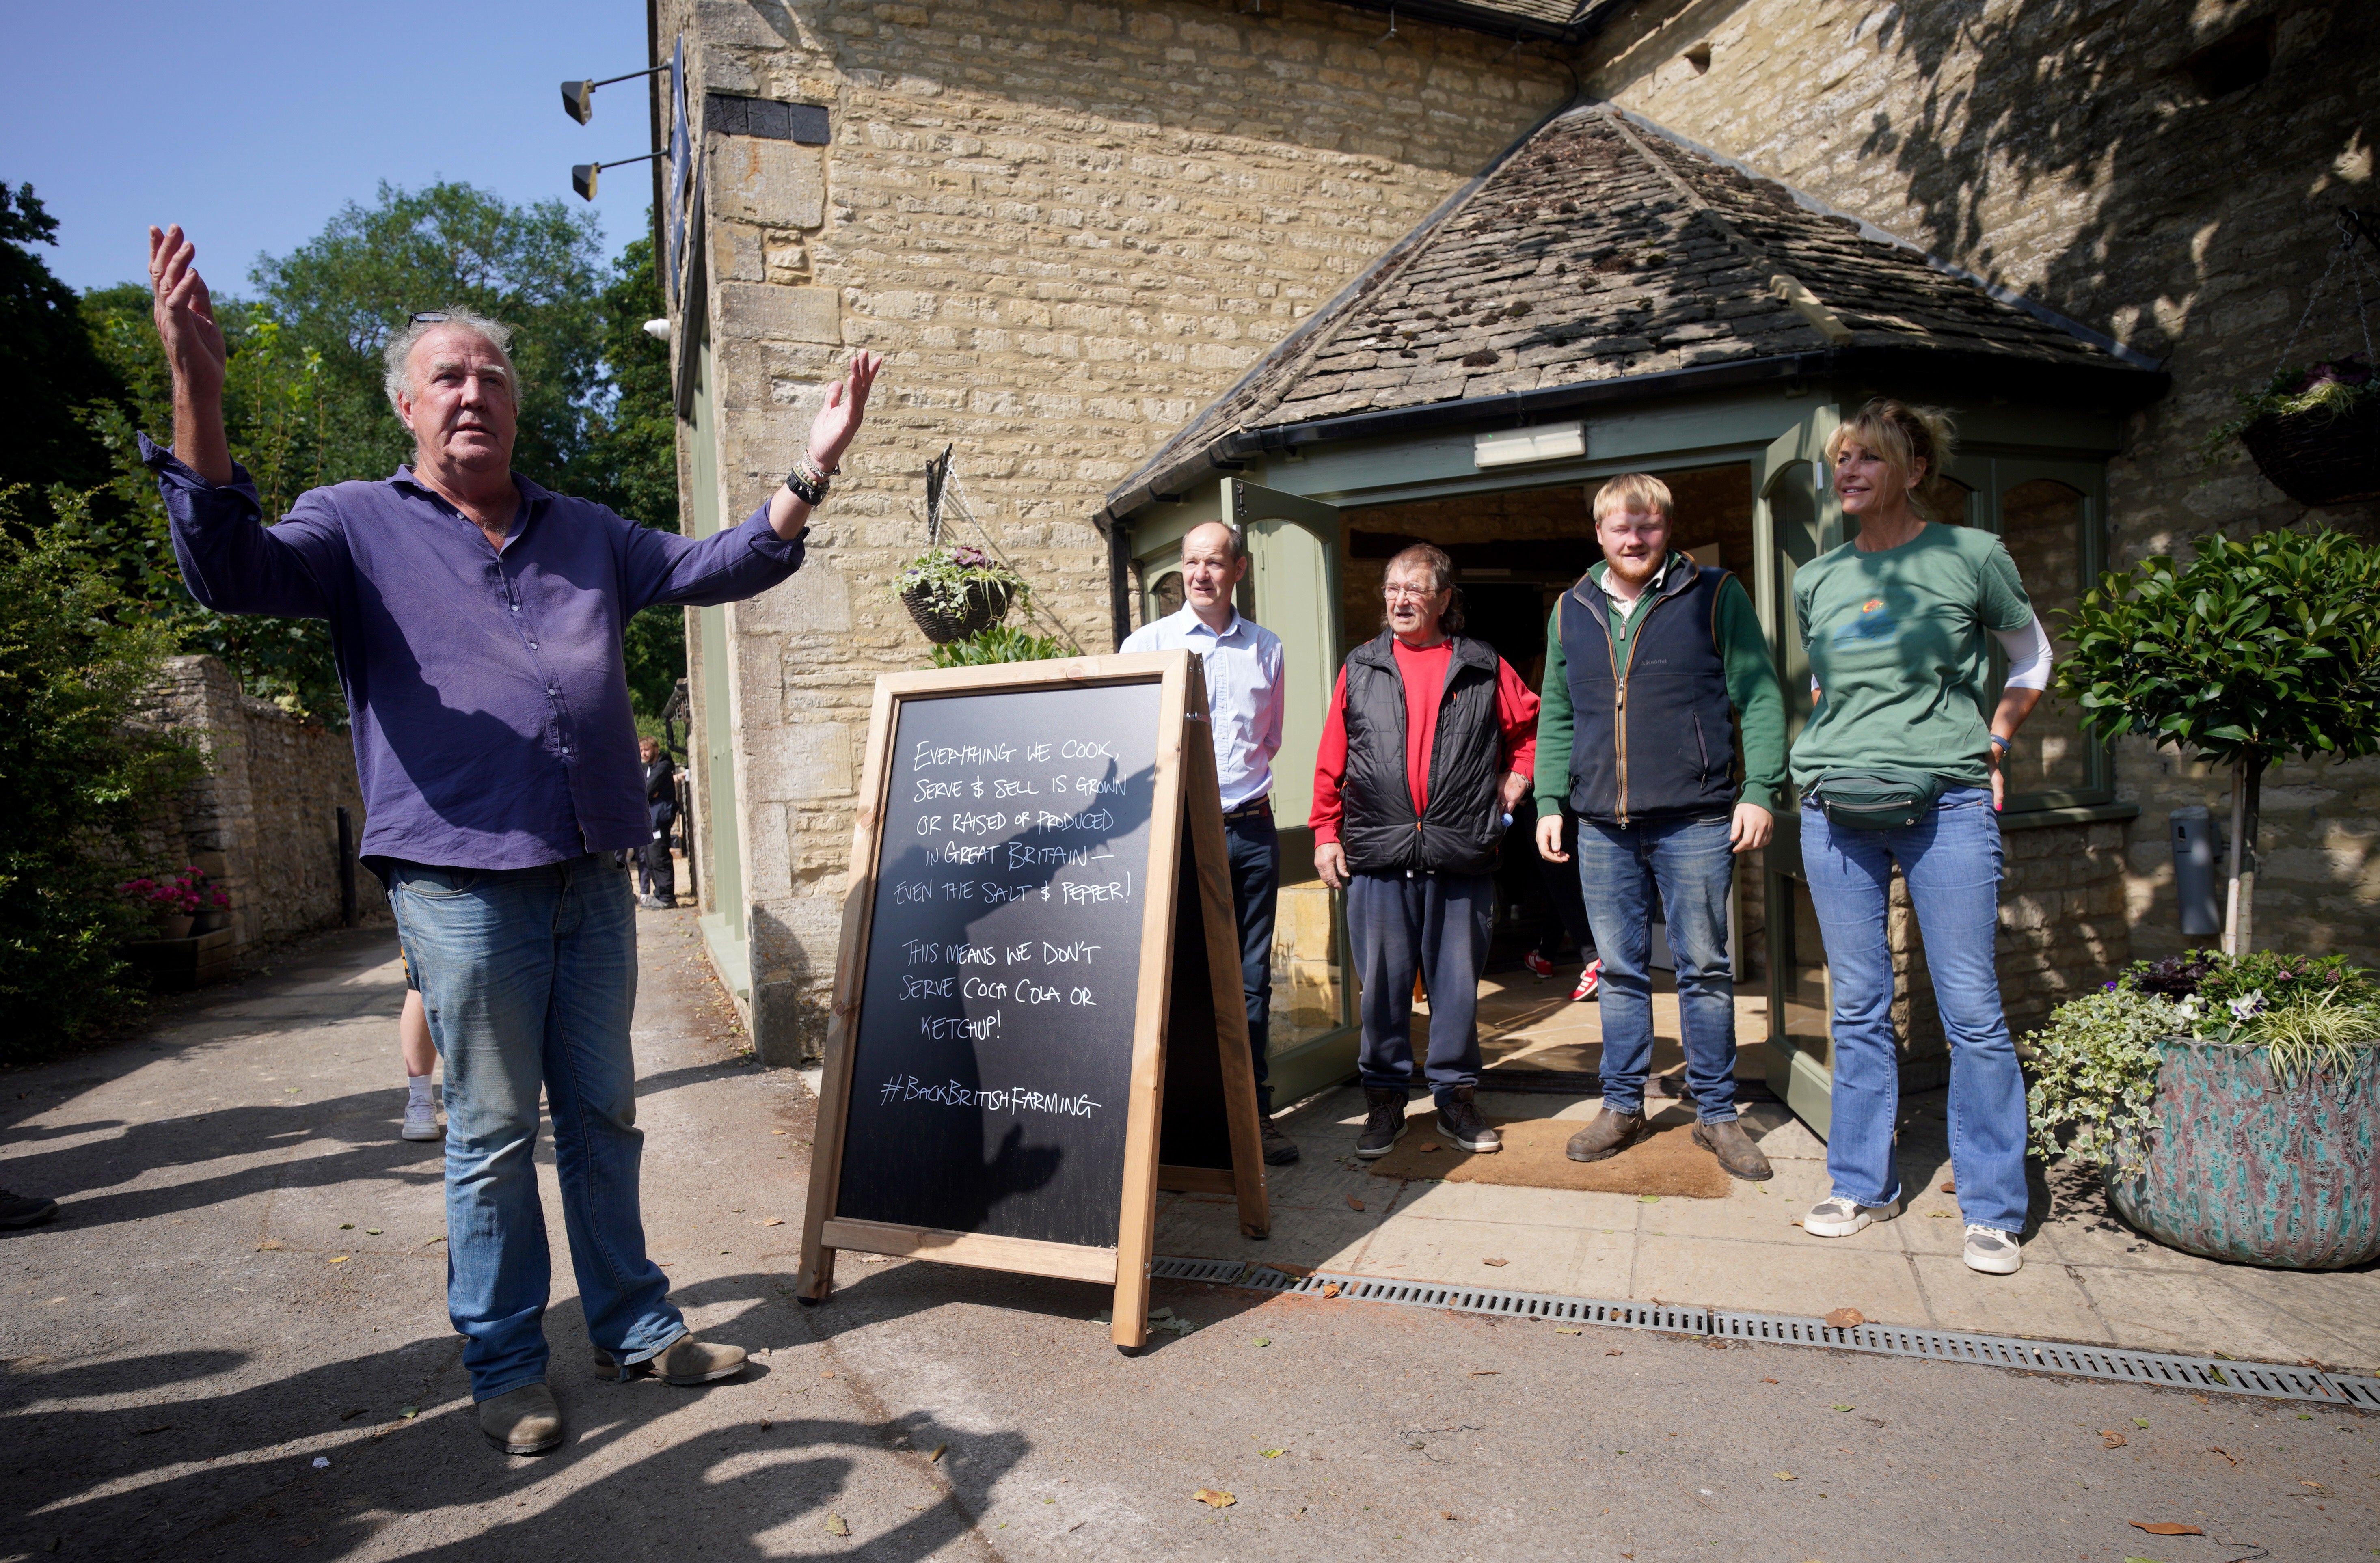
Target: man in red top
[[1430, 746]]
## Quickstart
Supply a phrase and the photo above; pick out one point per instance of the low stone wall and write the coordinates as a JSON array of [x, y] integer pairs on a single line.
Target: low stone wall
[[262, 821]]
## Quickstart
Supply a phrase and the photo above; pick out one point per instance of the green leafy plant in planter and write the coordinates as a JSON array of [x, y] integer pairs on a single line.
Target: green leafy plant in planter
[[957, 592], [1001, 643], [2257, 650], [2228, 1103]]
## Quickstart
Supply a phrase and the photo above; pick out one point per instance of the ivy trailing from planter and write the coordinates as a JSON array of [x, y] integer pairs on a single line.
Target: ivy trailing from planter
[[957, 592]]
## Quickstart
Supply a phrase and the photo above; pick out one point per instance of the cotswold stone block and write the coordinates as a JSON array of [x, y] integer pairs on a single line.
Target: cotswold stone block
[[757, 179], [763, 312]]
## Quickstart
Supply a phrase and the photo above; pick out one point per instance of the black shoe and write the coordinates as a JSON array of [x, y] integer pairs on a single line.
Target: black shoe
[[25, 1210], [1460, 1125], [1280, 1150], [1386, 1125]]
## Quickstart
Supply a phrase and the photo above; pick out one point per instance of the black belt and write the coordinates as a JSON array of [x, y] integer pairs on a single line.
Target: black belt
[[1262, 806]]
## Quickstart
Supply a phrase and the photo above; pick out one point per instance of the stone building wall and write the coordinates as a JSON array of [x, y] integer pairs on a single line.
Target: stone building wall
[[262, 821], [2127, 166], [1068, 226]]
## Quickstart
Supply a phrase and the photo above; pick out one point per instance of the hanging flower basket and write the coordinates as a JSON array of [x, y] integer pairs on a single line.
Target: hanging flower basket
[[980, 605], [957, 592], [2321, 457]]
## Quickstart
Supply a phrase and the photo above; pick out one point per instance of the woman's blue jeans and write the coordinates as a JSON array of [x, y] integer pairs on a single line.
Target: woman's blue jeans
[[529, 977], [1951, 860]]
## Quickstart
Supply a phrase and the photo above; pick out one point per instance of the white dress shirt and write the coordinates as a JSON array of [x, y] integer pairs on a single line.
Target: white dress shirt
[[1244, 694]]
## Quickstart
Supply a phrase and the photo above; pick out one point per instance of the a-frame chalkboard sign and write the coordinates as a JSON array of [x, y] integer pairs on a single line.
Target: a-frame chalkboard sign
[[1038, 1017]]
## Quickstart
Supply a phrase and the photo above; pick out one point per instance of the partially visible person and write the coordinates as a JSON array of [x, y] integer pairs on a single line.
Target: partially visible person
[[656, 874], [1427, 751], [1567, 914], [1652, 665], [1241, 661], [420, 1055], [1901, 764]]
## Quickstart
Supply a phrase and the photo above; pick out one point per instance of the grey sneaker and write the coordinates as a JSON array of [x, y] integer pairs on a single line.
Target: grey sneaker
[[421, 1124], [1386, 1125], [1993, 1251], [525, 1422], [1460, 1125], [25, 1210], [686, 1360], [1837, 1217]]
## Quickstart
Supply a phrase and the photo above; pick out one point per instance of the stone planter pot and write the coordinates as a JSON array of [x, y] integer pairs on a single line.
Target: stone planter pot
[[211, 919], [175, 925], [2247, 1168]]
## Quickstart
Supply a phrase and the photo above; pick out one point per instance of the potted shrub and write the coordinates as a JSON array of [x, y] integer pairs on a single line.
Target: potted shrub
[[1001, 642], [2260, 650], [2313, 432], [954, 592], [2227, 1102], [175, 903]]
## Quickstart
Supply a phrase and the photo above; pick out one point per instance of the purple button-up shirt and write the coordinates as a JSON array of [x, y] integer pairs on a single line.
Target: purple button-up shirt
[[486, 688]]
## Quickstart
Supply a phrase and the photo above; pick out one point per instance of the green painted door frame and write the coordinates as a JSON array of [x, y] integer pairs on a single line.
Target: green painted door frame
[[723, 927]]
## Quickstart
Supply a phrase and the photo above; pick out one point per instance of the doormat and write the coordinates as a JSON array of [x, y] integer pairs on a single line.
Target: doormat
[[1665, 1162]]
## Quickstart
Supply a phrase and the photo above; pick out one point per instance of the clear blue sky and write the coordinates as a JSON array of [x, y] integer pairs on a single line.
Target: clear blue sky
[[251, 122]]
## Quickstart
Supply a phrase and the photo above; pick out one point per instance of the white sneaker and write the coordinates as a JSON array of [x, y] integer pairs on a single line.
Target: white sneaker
[[422, 1125], [1993, 1251], [1837, 1217]]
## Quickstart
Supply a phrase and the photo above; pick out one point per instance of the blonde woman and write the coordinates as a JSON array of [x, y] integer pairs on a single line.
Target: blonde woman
[[1901, 764]]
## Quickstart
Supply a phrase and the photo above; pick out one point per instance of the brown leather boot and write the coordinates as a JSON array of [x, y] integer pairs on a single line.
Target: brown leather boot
[[1280, 1150], [687, 1361], [1727, 1140], [1610, 1134]]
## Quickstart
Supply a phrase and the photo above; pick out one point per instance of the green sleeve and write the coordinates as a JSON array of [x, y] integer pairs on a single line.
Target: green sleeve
[[1751, 689], [2001, 599], [1553, 725]]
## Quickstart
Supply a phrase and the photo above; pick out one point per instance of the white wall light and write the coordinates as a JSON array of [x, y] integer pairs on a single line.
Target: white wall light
[[1512, 447]]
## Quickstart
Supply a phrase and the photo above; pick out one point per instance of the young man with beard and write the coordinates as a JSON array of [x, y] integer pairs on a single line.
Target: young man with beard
[[1652, 661]]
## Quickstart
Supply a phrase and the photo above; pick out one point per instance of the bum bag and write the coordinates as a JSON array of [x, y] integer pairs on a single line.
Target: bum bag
[[1875, 800]]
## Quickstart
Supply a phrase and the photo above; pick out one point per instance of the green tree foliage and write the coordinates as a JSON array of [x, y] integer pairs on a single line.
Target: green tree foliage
[[77, 662], [2258, 650], [47, 367]]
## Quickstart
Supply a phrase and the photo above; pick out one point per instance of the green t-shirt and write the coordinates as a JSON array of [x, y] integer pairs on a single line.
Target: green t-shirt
[[1901, 650]]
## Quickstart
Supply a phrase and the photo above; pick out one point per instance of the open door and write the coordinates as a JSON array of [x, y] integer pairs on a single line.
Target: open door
[[1293, 549], [1796, 518]]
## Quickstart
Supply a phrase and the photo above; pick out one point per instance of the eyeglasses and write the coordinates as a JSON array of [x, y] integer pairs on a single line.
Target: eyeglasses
[[1408, 593], [427, 317]]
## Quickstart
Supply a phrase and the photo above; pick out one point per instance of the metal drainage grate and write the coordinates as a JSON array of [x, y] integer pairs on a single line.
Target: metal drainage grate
[[2273, 1380]]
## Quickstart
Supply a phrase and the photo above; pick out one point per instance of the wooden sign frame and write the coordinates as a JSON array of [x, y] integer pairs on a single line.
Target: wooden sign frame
[[1185, 829]]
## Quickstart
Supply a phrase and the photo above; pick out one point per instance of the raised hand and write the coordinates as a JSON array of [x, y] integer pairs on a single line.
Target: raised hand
[[839, 418], [194, 351]]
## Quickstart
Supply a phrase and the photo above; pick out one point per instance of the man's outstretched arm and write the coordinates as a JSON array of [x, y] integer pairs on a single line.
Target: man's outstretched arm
[[194, 352]]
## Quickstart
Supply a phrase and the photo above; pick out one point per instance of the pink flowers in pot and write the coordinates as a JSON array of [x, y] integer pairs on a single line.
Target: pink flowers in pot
[[184, 895]]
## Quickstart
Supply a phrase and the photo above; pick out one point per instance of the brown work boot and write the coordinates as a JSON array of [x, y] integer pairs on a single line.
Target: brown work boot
[[1460, 1125], [522, 1422], [1610, 1134], [1280, 1150], [1727, 1140], [686, 1360], [1386, 1125]]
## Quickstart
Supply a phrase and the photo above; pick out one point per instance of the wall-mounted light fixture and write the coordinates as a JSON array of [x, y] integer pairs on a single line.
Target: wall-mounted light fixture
[[582, 175], [579, 97]]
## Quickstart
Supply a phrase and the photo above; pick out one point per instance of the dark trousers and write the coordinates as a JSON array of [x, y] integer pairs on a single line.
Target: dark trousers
[[1438, 924], [1255, 851], [656, 875]]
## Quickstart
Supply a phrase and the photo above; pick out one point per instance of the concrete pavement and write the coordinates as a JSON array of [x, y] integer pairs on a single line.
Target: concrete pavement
[[215, 1311]]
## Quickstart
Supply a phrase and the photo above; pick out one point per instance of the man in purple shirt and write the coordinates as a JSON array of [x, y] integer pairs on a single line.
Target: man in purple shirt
[[477, 618]]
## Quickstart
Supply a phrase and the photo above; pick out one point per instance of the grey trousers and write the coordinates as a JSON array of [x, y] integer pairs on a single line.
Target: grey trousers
[[1434, 924]]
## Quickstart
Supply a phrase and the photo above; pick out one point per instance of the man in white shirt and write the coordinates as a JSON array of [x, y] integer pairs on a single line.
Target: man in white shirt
[[1244, 698]]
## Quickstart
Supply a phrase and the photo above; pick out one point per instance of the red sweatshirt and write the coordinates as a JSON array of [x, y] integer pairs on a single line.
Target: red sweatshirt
[[1424, 675]]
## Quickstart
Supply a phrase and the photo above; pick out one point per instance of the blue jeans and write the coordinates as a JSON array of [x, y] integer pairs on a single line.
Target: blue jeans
[[529, 977], [1951, 861], [1254, 845], [1434, 924], [1689, 865]]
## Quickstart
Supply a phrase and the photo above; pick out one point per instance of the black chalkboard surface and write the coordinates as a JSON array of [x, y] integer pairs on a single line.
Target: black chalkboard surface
[[1038, 995], [994, 1047]]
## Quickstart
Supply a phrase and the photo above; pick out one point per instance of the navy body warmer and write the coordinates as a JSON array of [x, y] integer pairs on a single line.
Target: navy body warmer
[[1461, 829], [1657, 738]]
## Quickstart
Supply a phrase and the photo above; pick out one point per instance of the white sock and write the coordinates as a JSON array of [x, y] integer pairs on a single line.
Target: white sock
[[416, 1093]]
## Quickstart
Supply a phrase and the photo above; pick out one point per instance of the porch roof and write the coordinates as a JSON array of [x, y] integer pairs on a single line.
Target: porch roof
[[1601, 260]]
